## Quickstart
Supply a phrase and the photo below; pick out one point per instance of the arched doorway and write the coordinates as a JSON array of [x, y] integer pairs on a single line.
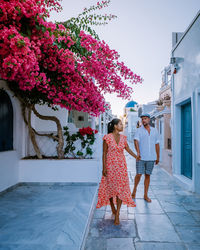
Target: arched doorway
[[6, 122]]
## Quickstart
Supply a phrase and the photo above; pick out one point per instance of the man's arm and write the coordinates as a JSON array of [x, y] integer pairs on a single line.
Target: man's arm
[[136, 143], [157, 153], [157, 147]]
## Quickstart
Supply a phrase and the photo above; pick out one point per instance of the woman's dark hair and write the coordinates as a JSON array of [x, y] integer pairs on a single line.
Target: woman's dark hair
[[111, 125]]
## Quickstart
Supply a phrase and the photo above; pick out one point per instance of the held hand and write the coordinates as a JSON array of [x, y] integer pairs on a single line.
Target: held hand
[[104, 172], [157, 161], [138, 157]]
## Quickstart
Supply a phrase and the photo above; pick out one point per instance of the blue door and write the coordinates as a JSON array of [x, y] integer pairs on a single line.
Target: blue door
[[6, 122], [186, 130]]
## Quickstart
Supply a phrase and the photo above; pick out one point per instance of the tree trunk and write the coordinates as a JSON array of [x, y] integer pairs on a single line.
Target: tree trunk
[[60, 140], [30, 129], [32, 136]]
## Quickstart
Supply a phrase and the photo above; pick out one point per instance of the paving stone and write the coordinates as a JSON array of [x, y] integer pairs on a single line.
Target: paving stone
[[182, 219], [156, 186], [143, 207], [164, 192], [183, 192], [131, 216], [124, 208], [107, 229], [196, 215], [108, 208], [157, 227], [189, 234], [99, 214], [176, 199], [194, 206], [159, 246], [191, 199], [172, 207], [102, 208], [95, 243], [140, 193], [24, 247], [193, 246], [123, 215], [109, 215], [120, 243], [131, 210], [64, 247]]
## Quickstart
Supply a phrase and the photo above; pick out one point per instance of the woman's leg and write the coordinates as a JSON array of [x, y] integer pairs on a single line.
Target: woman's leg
[[112, 206], [119, 203]]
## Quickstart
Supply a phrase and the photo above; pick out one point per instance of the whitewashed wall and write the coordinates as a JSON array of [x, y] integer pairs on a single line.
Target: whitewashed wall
[[75, 170], [48, 146], [14, 170], [186, 86], [9, 159], [43, 125]]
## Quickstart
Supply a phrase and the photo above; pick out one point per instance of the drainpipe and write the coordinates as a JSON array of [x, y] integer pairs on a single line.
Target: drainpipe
[[172, 117]]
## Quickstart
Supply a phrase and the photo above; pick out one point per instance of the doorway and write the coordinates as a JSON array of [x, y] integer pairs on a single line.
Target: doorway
[[186, 140], [6, 122]]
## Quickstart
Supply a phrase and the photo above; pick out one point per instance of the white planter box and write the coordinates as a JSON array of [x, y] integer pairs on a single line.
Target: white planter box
[[67, 170]]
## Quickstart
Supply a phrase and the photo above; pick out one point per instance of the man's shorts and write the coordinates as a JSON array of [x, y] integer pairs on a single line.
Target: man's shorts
[[144, 167]]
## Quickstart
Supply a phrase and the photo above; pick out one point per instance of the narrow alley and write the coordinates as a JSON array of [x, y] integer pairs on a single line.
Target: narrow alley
[[171, 221]]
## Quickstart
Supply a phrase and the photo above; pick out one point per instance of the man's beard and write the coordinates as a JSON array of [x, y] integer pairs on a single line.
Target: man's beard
[[145, 124]]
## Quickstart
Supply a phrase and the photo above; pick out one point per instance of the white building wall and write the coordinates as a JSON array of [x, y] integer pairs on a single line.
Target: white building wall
[[186, 86], [43, 125], [9, 159]]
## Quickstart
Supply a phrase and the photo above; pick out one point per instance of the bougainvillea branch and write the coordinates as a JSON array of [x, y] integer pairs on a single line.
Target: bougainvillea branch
[[45, 62]]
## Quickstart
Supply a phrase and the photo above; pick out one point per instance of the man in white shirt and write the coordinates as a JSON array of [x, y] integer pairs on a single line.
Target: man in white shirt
[[146, 142]]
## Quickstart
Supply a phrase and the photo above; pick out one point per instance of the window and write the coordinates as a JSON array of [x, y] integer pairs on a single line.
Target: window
[[80, 118]]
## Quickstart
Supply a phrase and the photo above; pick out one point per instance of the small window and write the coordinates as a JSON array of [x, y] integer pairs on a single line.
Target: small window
[[81, 118]]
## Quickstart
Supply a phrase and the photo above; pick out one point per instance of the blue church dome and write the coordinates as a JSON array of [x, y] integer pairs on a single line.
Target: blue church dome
[[131, 104]]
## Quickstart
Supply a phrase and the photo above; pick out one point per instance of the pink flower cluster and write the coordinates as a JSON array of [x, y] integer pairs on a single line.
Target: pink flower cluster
[[104, 66], [87, 131], [36, 54]]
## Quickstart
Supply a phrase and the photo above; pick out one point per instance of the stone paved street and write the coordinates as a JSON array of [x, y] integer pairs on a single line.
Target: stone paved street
[[171, 221], [45, 217]]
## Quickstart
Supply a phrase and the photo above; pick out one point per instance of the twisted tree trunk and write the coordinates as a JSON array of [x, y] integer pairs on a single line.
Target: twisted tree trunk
[[59, 137], [32, 136], [30, 129]]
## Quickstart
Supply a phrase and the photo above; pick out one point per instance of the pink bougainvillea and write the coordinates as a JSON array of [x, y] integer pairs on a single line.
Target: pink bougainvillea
[[87, 131], [39, 56]]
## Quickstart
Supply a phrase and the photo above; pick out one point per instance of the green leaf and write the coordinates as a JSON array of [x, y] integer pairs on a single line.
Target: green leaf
[[79, 153], [89, 151], [43, 29]]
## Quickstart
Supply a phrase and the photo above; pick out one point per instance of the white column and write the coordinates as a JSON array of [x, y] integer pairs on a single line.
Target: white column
[[100, 128], [93, 122], [104, 123]]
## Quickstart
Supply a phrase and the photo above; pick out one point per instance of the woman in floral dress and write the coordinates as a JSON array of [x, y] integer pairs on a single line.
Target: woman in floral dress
[[114, 186]]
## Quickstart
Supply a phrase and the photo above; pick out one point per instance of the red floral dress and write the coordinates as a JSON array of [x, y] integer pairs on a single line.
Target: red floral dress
[[116, 183]]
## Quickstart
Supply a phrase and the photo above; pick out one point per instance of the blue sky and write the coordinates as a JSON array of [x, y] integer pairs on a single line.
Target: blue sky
[[142, 36]]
